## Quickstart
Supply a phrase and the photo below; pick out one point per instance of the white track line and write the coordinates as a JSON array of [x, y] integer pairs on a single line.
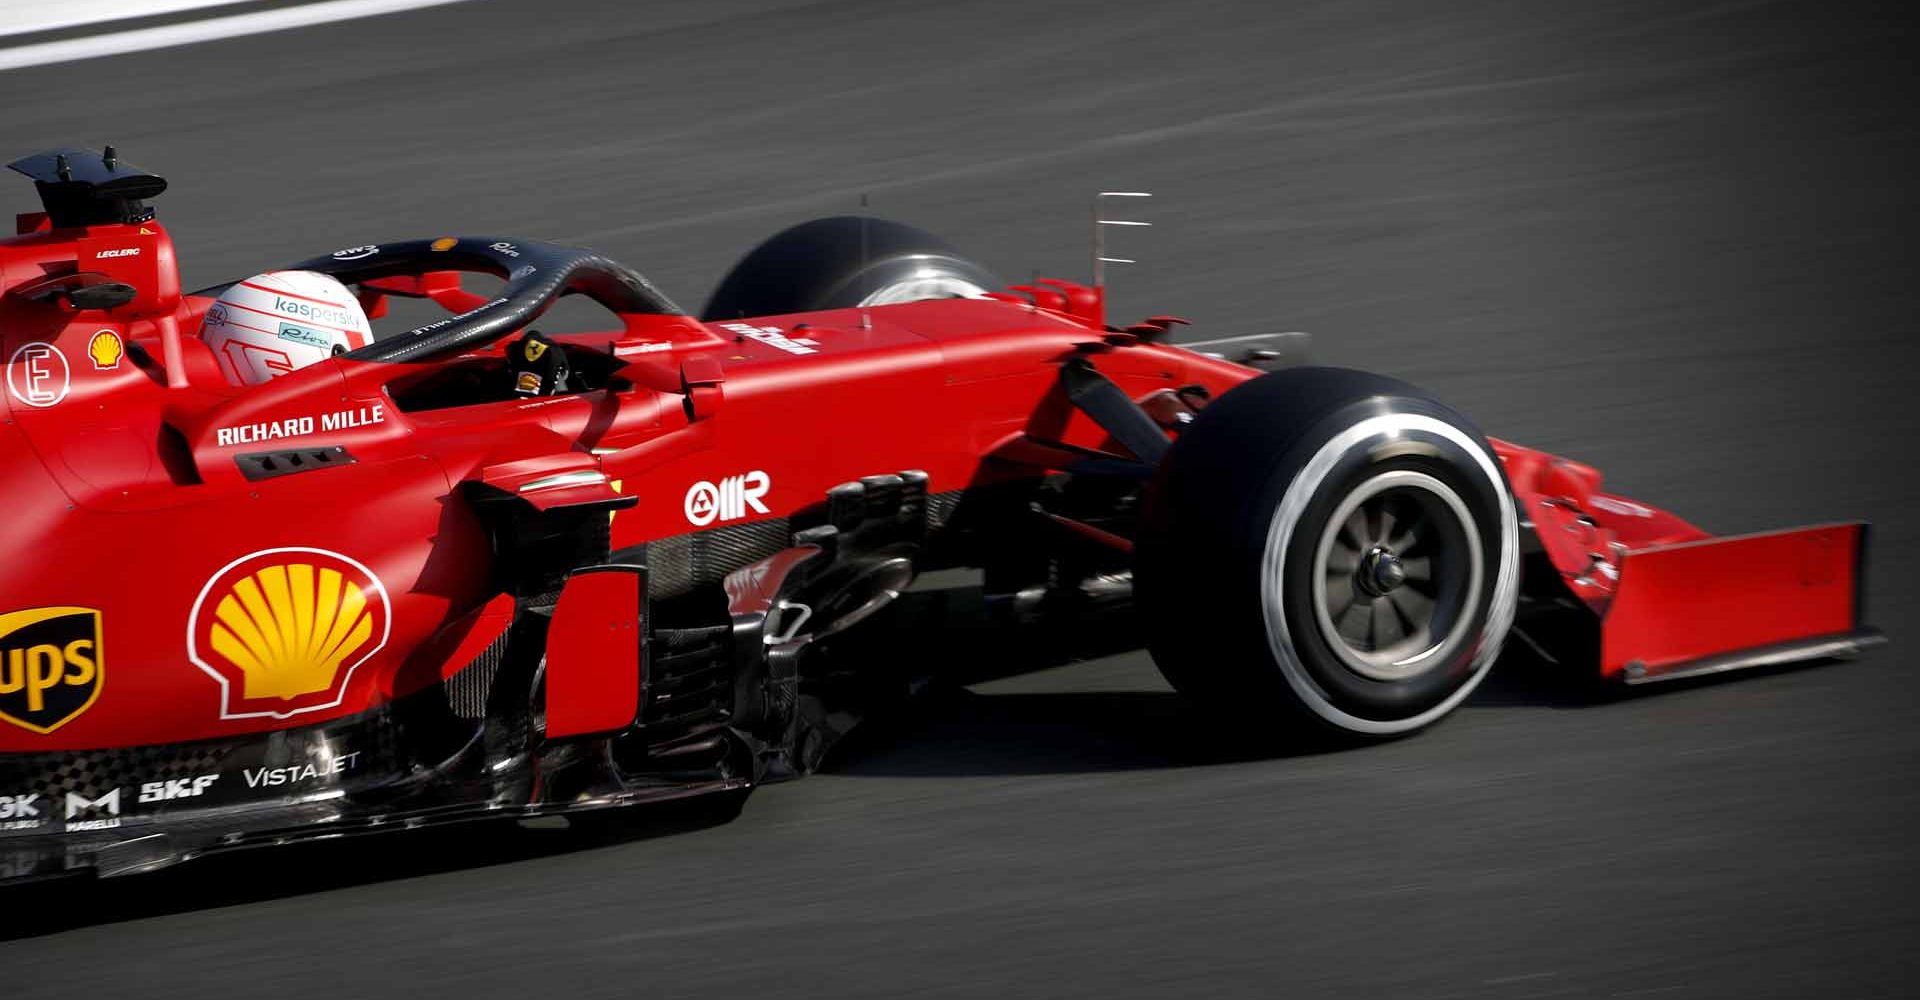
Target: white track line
[[18, 17], [230, 26]]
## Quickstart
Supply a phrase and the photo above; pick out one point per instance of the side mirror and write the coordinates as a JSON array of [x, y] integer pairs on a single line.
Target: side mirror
[[107, 295], [83, 289]]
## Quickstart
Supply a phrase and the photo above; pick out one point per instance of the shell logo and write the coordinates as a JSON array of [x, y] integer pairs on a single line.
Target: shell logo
[[283, 630], [106, 350]]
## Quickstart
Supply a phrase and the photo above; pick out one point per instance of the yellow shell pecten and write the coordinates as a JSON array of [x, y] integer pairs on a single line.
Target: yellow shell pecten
[[288, 628]]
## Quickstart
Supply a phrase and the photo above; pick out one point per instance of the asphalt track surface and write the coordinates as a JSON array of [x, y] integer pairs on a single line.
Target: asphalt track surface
[[1669, 239]]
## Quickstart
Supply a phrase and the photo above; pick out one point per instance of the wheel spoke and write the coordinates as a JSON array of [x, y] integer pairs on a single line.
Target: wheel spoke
[[1356, 623], [1386, 624], [1414, 608], [1409, 537], [1386, 519], [1420, 569], [1355, 530], [1341, 559], [1339, 594]]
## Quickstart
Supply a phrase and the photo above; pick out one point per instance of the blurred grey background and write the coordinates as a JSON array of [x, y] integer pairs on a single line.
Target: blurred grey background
[[1670, 239]]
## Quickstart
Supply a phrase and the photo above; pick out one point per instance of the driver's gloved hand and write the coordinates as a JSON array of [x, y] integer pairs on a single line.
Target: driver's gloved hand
[[539, 366]]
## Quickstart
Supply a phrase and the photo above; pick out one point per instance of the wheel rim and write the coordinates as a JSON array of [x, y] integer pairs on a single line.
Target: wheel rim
[[1395, 574], [1409, 433]]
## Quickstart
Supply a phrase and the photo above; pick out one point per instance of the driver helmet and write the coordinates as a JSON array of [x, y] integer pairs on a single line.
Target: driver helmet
[[282, 321]]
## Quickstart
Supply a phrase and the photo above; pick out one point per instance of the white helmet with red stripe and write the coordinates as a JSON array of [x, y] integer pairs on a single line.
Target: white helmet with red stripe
[[282, 321]]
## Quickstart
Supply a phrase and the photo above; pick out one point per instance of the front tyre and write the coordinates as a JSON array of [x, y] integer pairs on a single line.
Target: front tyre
[[1329, 546]]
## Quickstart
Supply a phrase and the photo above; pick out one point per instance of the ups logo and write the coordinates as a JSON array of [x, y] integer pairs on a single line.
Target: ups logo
[[50, 666]]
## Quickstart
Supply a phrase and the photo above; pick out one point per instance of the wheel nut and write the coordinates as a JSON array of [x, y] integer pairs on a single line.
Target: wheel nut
[[1381, 572]]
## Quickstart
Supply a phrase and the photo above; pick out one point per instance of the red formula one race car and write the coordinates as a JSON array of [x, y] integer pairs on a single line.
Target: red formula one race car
[[471, 570]]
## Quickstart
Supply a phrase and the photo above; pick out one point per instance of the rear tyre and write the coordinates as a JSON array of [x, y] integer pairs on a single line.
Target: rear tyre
[[1329, 547], [843, 262]]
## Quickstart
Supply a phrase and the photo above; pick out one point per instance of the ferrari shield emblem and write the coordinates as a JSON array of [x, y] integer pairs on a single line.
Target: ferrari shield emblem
[[282, 630], [50, 666]]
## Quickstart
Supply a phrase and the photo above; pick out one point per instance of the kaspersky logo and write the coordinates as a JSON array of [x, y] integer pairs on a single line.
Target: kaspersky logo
[[283, 630], [50, 666]]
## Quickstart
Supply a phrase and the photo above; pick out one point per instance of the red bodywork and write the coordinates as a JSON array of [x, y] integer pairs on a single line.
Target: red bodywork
[[1670, 597], [120, 476]]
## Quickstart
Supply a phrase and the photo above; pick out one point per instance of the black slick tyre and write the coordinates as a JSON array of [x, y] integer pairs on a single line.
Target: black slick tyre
[[1328, 547]]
